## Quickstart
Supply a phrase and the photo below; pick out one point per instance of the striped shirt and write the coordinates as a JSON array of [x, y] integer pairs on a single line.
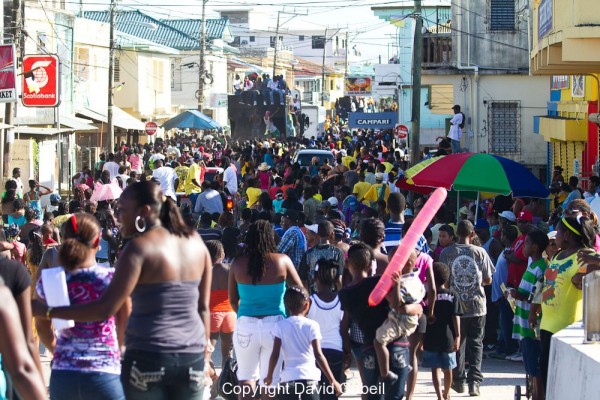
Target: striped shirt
[[393, 235], [534, 272]]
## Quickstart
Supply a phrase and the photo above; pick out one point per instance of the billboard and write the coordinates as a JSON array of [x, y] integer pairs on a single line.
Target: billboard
[[357, 86], [41, 86], [383, 120], [8, 92]]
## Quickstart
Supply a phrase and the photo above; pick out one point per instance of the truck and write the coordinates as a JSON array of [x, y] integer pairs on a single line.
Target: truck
[[314, 120]]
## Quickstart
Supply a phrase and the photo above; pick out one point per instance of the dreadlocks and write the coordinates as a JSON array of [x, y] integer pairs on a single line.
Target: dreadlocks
[[259, 243]]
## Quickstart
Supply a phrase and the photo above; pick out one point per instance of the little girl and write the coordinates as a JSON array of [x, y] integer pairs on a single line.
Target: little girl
[[298, 338], [326, 310]]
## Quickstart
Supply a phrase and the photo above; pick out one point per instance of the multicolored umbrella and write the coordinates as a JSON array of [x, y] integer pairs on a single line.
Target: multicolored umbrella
[[476, 172]]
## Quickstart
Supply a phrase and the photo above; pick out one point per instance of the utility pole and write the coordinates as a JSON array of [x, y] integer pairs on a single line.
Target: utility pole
[[323, 69], [202, 66], [415, 132], [275, 46], [111, 79], [346, 58], [275, 49], [13, 19]]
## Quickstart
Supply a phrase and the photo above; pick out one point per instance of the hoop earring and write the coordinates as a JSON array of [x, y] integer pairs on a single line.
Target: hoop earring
[[141, 229]]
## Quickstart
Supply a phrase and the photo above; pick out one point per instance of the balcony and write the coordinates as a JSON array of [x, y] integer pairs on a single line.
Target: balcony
[[437, 50]]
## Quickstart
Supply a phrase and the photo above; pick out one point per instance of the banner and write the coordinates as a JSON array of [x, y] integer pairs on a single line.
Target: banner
[[384, 120], [357, 86], [8, 91], [560, 82]]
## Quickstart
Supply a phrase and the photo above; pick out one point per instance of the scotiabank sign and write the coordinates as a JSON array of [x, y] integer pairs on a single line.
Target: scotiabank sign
[[41, 86]]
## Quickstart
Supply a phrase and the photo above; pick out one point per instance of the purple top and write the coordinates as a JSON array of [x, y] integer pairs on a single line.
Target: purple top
[[88, 346], [423, 263]]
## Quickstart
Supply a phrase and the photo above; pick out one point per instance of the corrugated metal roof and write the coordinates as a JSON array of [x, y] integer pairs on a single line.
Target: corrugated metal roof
[[191, 27], [164, 32]]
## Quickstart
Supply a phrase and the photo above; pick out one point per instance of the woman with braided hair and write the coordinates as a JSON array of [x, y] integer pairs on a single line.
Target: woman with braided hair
[[257, 281]]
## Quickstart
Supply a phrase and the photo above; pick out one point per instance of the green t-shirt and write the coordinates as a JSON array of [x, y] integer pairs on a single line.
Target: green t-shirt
[[533, 273]]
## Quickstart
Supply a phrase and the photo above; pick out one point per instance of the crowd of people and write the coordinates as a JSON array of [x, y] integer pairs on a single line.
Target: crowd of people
[[219, 240]]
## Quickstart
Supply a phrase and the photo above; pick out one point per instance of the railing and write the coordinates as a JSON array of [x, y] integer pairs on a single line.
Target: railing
[[437, 50]]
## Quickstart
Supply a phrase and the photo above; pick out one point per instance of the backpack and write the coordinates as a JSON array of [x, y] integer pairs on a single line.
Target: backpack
[[462, 124]]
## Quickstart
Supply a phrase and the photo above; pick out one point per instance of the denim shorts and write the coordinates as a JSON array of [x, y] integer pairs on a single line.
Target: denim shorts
[[161, 376], [531, 356], [79, 385], [436, 359]]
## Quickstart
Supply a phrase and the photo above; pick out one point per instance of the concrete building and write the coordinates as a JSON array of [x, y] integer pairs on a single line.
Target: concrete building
[[475, 55], [566, 39]]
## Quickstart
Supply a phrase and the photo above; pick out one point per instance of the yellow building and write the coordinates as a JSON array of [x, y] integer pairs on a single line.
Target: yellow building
[[566, 43]]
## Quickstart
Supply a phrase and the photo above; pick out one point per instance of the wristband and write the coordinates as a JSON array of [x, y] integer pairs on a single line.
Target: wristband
[[48, 311]]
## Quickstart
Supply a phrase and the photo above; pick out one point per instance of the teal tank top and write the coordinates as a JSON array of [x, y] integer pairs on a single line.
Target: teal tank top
[[261, 300]]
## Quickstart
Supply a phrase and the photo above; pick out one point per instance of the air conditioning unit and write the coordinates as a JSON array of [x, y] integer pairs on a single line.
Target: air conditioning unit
[[244, 42]]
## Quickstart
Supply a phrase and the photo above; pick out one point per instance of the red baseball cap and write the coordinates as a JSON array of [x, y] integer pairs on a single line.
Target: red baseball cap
[[525, 215]]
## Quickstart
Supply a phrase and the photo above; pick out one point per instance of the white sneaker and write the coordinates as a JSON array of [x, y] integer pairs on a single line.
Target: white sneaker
[[517, 357]]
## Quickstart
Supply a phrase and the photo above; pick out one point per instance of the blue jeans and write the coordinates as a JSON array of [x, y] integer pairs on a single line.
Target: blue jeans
[[455, 144], [399, 364], [78, 385], [335, 360], [157, 376], [511, 346]]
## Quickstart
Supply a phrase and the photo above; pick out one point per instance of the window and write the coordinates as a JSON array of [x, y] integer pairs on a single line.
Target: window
[[43, 41], [252, 38], [236, 42], [504, 118], [272, 41], [176, 74], [117, 69], [301, 38], [236, 17], [331, 84], [318, 42], [82, 61], [502, 15]]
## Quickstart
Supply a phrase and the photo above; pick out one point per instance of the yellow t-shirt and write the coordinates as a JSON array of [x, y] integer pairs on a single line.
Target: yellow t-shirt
[[346, 160], [373, 193], [182, 172], [361, 189], [253, 195], [562, 302], [193, 173], [388, 166]]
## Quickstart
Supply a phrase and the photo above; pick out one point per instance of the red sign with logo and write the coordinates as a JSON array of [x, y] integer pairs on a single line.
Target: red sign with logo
[[41, 83], [151, 128], [401, 131]]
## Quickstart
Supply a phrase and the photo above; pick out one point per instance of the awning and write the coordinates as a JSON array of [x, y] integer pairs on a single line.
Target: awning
[[120, 118], [192, 119], [31, 130], [78, 124]]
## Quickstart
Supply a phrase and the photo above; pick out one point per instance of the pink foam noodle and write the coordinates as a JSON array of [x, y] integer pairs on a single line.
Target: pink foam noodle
[[407, 245]]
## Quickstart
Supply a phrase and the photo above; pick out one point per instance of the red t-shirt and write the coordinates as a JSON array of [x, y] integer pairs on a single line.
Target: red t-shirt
[[516, 270]]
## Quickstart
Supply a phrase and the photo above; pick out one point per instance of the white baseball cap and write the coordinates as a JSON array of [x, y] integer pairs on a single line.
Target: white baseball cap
[[333, 201], [509, 215], [314, 228]]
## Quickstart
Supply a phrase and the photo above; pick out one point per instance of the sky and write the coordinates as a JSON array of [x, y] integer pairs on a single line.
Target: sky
[[370, 34]]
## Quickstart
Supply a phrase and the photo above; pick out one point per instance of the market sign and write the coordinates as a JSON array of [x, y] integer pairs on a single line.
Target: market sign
[[8, 92], [384, 120], [544, 18], [41, 86], [560, 82], [357, 85]]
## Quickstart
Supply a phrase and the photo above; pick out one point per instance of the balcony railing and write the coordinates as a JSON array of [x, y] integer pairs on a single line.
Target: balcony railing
[[437, 50]]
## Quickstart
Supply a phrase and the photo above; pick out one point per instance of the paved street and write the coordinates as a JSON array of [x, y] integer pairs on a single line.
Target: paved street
[[500, 380]]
